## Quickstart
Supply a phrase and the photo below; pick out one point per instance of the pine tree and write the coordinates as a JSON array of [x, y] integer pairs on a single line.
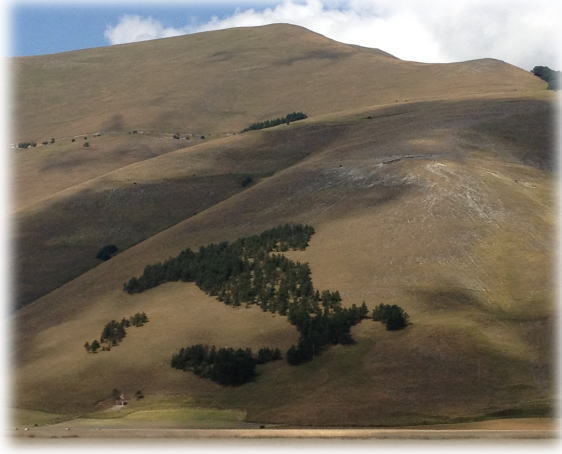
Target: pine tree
[[94, 347], [364, 310]]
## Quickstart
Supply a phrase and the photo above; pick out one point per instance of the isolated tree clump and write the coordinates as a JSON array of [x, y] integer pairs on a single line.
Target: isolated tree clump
[[113, 332], [27, 144], [93, 347], [393, 316], [139, 319], [548, 75], [106, 252], [247, 181], [295, 116]]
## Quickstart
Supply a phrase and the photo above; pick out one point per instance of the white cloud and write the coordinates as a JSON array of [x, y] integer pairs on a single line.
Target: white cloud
[[522, 32], [132, 28]]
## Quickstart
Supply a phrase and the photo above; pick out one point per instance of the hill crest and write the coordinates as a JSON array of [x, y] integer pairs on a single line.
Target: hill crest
[[219, 82]]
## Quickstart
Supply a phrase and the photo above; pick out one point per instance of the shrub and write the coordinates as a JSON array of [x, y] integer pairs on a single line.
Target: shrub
[[86, 144], [247, 181], [94, 346], [106, 252], [27, 144], [139, 319]]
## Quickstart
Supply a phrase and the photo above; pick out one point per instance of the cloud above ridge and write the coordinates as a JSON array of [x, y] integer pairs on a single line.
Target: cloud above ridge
[[522, 32]]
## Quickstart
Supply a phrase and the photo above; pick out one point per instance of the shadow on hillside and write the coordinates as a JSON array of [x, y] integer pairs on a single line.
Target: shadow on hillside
[[448, 298]]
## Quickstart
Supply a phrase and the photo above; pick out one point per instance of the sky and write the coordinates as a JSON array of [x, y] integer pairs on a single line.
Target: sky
[[522, 32]]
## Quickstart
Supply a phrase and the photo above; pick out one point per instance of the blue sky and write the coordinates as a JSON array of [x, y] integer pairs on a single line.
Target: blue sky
[[43, 29]]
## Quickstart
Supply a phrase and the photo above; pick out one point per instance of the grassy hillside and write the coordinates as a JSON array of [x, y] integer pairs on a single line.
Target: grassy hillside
[[442, 204], [60, 235], [222, 81], [46, 170], [450, 225], [70, 200]]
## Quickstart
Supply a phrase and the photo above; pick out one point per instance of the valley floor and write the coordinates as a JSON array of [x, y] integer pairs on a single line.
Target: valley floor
[[517, 428]]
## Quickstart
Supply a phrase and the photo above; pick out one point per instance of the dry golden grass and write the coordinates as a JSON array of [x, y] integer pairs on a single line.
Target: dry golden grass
[[221, 81], [423, 233], [444, 207], [42, 172]]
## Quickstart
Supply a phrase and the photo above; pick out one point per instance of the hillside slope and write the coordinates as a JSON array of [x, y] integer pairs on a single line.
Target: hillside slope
[[221, 81], [70, 200], [447, 222], [428, 186]]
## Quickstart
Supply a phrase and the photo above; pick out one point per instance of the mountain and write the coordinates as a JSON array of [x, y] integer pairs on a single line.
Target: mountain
[[429, 186], [221, 81]]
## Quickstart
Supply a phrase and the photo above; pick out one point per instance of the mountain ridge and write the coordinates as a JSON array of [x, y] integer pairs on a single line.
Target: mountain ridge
[[177, 95]]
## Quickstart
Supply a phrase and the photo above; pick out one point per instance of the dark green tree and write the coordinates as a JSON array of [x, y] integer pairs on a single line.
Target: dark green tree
[[393, 316], [94, 346], [295, 116], [106, 252], [548, 75]]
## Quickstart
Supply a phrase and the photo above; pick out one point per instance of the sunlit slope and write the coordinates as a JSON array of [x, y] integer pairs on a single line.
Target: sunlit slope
[[220, 81], [40, 173], [422, 205]]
